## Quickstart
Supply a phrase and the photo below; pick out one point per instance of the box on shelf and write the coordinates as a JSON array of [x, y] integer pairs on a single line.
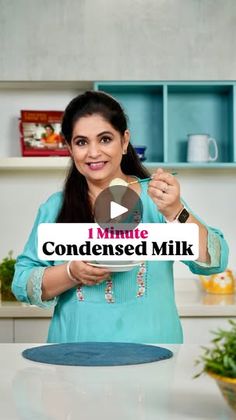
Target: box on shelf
[[40, 133]]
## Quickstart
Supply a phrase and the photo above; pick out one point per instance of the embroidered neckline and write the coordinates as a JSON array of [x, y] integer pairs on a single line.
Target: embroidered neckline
[[141, 280]]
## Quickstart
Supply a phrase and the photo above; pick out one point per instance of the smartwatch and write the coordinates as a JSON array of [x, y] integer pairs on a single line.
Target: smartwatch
[[183, 216]]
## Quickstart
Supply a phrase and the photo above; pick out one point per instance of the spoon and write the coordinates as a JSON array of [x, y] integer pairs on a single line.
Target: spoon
[[145, 179], [122, 182]]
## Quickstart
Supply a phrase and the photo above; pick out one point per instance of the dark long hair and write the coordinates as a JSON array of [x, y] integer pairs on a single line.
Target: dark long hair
[[76, 206]]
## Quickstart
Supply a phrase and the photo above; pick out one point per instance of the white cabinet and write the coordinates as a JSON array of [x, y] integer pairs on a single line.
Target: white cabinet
[[31, 330], [34, 330], [22, 330], [198, 330], [6, 330]]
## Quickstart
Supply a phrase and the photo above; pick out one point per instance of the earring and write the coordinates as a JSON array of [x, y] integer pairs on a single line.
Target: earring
[[124, 152]]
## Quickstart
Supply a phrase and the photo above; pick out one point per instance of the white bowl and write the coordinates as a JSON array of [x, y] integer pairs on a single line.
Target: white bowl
[[114, 262], [116, 267]]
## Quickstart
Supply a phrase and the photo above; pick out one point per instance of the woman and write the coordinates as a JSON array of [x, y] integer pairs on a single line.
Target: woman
[[50, 138], [134, 306]]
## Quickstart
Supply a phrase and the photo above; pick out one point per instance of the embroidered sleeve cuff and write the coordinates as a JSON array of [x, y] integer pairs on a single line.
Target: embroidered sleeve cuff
[[34, 289], [214, 250]]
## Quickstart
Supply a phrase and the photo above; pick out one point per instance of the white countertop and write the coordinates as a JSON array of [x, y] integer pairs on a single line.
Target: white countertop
[[201, 304], [190, 303], [160, 390]]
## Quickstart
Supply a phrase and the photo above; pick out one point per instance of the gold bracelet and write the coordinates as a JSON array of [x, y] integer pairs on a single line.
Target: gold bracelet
[[72, 278]]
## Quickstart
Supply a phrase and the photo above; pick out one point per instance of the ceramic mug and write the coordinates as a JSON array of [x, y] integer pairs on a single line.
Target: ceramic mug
[[221, 283], [199, 148], [140, 150]]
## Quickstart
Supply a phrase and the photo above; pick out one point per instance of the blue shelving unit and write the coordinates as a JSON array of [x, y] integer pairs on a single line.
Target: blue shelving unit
[[162, 114], [143, 104]]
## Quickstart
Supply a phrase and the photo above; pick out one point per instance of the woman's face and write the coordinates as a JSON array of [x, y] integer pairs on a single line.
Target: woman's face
[[97, 148], [48, 130]]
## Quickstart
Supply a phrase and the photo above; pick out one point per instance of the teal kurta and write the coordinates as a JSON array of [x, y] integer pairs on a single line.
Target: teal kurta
[[151, 317]]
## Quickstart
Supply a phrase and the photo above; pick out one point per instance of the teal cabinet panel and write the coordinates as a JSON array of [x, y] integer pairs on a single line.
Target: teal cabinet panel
[[198, 110], [143, 104], [233, 151]]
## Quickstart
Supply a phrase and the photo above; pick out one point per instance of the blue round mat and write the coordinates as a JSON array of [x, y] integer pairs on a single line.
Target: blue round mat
[[96, 354]]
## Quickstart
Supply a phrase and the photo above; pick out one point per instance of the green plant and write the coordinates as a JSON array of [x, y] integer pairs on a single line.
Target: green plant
[[220, 359], [7, 269]]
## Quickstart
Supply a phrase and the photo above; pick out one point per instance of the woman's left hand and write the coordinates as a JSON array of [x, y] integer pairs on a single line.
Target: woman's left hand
[[164, 190]]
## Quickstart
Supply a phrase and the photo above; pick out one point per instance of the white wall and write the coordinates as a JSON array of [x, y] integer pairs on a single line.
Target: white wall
[[211, 194], [117, 39]]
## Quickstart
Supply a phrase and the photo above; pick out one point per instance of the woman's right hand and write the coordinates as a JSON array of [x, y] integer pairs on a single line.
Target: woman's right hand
[[87, 274]]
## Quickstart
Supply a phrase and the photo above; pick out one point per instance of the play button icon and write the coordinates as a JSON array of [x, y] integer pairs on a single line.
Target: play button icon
[[117, 210], [118, 206]]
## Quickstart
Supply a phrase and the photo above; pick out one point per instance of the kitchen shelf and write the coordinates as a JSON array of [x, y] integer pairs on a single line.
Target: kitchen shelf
[[63, 163], [22, 163], [162, 114], [44, 95], [185, 165], [46, 85]]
